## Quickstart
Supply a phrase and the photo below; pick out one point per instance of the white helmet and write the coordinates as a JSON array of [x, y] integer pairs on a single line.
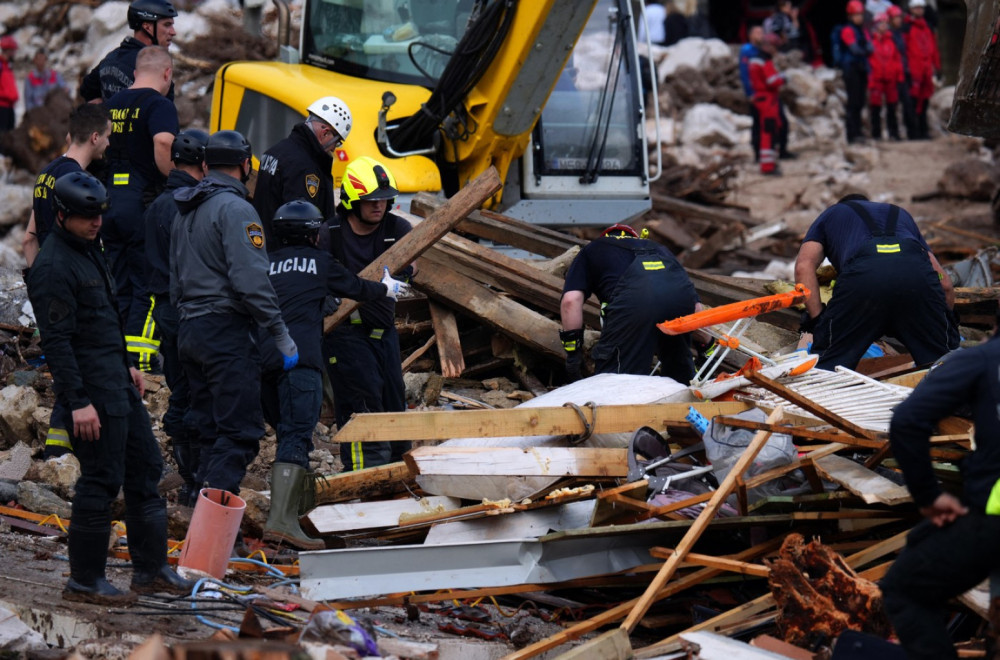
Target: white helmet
[[917, 3], [334, 112]]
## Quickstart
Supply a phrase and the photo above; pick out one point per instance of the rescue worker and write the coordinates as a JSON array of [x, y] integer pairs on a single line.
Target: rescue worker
[[639, 283], [888, 283], [898, 28], [144, 123], [303, 276], [854, 50], [89, 129], [219, 284], [883, 83], [784, 23], [152, 24], [40, 81], [8, 84], [188, 155], [925, 63], [362, 354], [72, 293], [299, 166], [957, 545], [766, 82]]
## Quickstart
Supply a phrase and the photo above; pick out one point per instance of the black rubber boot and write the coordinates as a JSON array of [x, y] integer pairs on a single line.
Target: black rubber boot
[[283, 519], [147, 542], [89, 534], [875, 113]]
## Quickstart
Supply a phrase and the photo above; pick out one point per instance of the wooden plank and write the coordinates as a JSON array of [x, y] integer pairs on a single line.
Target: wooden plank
[[522, 421], [501, 313], [799, 463], [448, 342], [688, 209], [415, 355], [802, 432], [809, 405], [336, 518], [728, 565], [612, 645], [706, 249], [861, 481], [701, 523], [516, 461], [439, 223], [370, 483]]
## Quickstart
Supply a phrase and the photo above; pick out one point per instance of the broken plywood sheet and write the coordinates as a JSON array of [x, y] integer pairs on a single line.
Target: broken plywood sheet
[[522, 525], [339, 518], [869, 486], [603, 389]]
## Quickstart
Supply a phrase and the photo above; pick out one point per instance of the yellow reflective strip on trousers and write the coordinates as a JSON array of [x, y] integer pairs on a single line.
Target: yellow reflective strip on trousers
[[58, 437], [120, 179], [148, 330], [888, 248], [357, 456], [653, 265], [993, 504]]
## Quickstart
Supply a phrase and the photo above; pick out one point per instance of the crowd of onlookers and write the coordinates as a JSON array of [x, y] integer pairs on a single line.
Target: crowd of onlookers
[[38, 82]]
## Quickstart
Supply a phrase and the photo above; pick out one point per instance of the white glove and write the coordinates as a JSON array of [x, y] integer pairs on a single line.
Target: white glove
[[393, 288]]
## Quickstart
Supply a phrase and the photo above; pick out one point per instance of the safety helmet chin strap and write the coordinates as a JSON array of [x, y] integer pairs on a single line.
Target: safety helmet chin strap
[[152, 37], [330, 144]]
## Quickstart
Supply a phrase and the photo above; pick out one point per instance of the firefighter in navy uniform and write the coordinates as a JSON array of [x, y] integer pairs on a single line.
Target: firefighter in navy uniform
[[888, 283], [152, 24], [303, 275], [219, 284], [72, 293], [639, 284], [299, 166], [143, 127], [362, 354], [957, 545], [188, 155]]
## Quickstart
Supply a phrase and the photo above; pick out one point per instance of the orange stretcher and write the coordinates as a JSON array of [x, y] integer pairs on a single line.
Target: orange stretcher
[[735, 311]]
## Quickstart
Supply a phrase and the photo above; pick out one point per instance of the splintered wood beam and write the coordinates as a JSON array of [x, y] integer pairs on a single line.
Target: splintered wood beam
[[516, 461], [524, 325], [513, 422], [364, 484], [709, 561], [416, 355], [802, 432], [791, 396], [425, 234], [448, 342], [701, 523], [866, 484]]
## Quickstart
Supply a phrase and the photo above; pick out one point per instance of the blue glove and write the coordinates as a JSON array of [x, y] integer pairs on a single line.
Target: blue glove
[[393, 288], [289, 361], [289, 351]]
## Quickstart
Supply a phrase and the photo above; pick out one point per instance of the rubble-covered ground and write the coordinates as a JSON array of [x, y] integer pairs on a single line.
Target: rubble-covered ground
[[946, 183]]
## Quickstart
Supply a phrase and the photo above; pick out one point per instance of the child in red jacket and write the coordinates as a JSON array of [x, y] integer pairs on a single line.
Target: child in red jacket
[[886, 74], [925, 63]]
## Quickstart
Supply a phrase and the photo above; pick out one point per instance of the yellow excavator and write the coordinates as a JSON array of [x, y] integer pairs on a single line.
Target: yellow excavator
[[547, 91]]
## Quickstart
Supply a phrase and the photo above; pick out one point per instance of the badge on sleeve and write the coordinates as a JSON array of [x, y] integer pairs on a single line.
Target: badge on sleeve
[[256, 235], [312, 184]]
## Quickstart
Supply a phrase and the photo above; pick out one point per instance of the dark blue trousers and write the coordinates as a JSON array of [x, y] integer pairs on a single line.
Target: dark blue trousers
[[291, 401]]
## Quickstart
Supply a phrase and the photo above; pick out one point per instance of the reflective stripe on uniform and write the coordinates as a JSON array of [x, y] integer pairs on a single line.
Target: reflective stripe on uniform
[[357, 456], [887, 248], [355, 317], [145, 345], [993, 503], [58, 437], [653, 265], [120, 178], [141, 345], [376, 333]]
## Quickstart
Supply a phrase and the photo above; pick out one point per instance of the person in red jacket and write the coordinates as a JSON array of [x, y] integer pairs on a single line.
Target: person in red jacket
[[886, 74], [8, 86], [765, 82], [925, 63]]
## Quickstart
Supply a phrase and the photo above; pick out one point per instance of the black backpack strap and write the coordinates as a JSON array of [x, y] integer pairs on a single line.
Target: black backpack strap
[[890, 224], [862, 212]]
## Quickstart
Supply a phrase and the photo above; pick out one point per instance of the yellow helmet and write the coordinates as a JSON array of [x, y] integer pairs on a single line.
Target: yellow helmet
[[366, 179]]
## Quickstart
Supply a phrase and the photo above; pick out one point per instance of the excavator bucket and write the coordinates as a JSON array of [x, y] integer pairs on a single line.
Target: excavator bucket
[[977, 96]]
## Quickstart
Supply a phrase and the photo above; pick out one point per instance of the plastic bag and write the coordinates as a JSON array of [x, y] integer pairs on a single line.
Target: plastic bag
[[335, 627], [725, 444]]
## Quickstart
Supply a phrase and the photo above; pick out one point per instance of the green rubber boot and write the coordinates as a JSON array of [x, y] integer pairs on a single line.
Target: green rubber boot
[[283, 519]]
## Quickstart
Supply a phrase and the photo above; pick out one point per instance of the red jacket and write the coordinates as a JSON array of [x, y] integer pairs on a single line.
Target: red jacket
[[764, 78], [8, 85], [886, 62], [921, 48]]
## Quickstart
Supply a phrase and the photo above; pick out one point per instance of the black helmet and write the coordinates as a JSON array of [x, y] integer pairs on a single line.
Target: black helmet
[[189, 147], [226, 148], [297, 221], [143, 11], [79, 193]]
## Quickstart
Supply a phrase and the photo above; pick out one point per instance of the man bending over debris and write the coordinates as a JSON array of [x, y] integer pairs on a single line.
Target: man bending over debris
[[639, 284], [888, 283], [73, 296], [958, 544]]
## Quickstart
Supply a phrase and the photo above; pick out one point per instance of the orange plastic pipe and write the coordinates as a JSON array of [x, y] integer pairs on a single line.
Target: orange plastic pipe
[[734, 311]]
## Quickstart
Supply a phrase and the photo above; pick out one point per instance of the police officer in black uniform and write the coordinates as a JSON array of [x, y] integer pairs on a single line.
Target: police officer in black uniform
[[152, 23], [958, 544], [144, 124], [303, 276], [639, 284], [72, 293], [888, 283], [188, 154], [362, 354], [299, 166]]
